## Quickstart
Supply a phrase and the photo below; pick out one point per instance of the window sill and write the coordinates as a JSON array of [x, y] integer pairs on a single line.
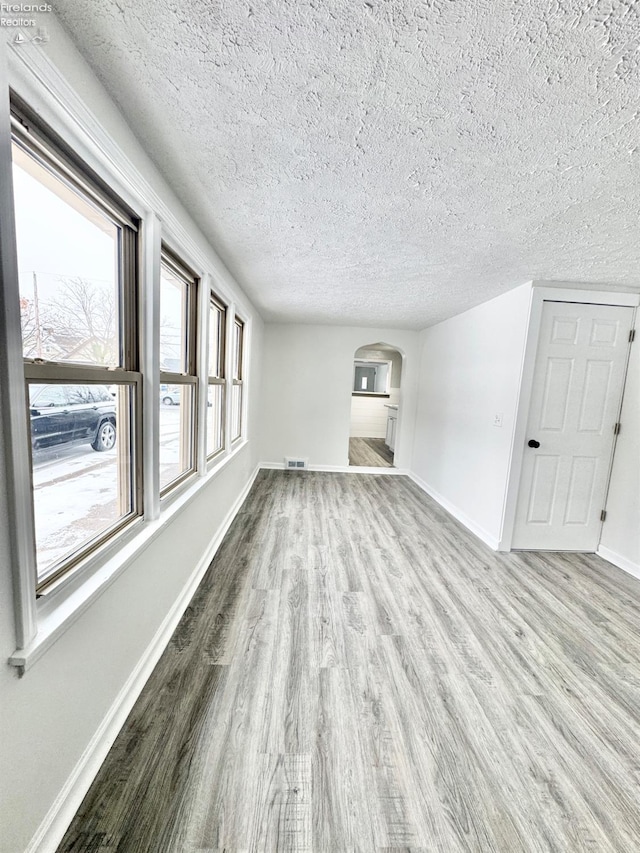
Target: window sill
[[59, 610]]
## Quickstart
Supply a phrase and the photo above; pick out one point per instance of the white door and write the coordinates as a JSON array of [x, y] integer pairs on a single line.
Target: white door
[[575, 401]]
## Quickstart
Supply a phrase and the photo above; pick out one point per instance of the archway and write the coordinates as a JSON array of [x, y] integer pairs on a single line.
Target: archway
[[375, 405]]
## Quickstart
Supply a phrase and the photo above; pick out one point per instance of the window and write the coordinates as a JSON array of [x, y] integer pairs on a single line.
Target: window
[[80, 321], [178, 378], [237, 383], [371, 377], [216, 378], [77, 260]]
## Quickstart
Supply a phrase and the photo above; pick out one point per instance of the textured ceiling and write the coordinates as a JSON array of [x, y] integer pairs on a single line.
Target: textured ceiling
[[380, 162]]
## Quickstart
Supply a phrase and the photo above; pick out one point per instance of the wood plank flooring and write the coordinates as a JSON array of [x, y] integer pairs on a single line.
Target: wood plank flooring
[[359, 673], [370, 452]]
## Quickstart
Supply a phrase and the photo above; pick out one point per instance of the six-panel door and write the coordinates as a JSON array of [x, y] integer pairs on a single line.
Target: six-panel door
[[577, 390]]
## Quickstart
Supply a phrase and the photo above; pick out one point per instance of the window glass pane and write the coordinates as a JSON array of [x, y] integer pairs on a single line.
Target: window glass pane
[[100, 393], [216, 337], [173, 322], [48, 396], [238, 328], [236, 412], [215, 419], [68, 270], [81, 466], [176, 441]]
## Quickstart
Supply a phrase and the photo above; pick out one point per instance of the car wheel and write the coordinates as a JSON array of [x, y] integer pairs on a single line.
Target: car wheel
[[105, 437], [167, 401]]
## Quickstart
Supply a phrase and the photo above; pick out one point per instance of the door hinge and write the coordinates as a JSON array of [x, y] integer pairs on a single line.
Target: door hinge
[[632, 336], [603, 515], [616, 428]]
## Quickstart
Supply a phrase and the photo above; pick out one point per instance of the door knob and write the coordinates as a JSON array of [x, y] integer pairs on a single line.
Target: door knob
[[533, 443]]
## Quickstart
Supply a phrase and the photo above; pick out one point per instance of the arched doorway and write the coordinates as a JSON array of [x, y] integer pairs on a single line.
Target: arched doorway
[[375, 405]]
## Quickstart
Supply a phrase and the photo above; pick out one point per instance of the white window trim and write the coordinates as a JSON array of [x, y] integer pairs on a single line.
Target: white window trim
[[151, 229], [243, 382], [209, 293], [21, 522], [202, 370], [38, 624]]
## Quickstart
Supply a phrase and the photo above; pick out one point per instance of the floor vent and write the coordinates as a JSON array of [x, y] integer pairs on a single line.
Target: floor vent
[[291, 464]]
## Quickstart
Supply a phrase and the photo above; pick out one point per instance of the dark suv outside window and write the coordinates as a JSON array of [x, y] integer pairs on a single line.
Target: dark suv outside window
[[72, 413]]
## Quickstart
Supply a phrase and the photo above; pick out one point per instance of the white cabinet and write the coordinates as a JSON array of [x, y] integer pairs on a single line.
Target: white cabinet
[[392, 422]]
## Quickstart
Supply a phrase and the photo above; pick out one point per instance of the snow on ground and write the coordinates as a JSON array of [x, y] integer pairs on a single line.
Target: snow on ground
[[170, 463], [72, 511], [75, 490]]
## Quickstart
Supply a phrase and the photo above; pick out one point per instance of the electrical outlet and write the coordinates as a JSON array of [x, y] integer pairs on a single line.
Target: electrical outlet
[[497, 419]]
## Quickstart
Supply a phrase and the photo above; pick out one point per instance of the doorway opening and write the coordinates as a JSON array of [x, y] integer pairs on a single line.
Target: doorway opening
[[375, 405]]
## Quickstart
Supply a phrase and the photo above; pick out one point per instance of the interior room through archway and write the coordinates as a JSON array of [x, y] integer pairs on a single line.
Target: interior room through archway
[[375, 405]]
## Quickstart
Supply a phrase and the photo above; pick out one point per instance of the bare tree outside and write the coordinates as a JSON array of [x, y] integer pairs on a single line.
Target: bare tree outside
[[30, 331], [78, 324]]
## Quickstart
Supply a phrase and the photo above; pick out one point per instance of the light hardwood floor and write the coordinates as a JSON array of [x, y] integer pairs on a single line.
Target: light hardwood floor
[[357, 672], [370, 452]]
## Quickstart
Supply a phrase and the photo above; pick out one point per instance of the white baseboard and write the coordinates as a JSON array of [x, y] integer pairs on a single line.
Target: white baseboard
[[340, 469], [58, 818], [619, 561], [492, 541]]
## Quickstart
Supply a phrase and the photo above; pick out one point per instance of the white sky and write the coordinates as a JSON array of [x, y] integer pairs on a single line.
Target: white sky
[[55, 240]]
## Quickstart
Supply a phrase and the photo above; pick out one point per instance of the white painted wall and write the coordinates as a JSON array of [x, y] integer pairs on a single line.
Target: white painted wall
[[369, 414], [307, 399], [469, 372], [49, 717], [620, 541]]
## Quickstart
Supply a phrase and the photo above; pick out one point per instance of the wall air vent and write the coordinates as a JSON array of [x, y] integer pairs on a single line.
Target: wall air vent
[[292, 464]]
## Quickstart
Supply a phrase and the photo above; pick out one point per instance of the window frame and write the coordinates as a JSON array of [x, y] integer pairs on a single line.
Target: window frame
[[189, 378], [46, 148], [237, 376], [220, 378]]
